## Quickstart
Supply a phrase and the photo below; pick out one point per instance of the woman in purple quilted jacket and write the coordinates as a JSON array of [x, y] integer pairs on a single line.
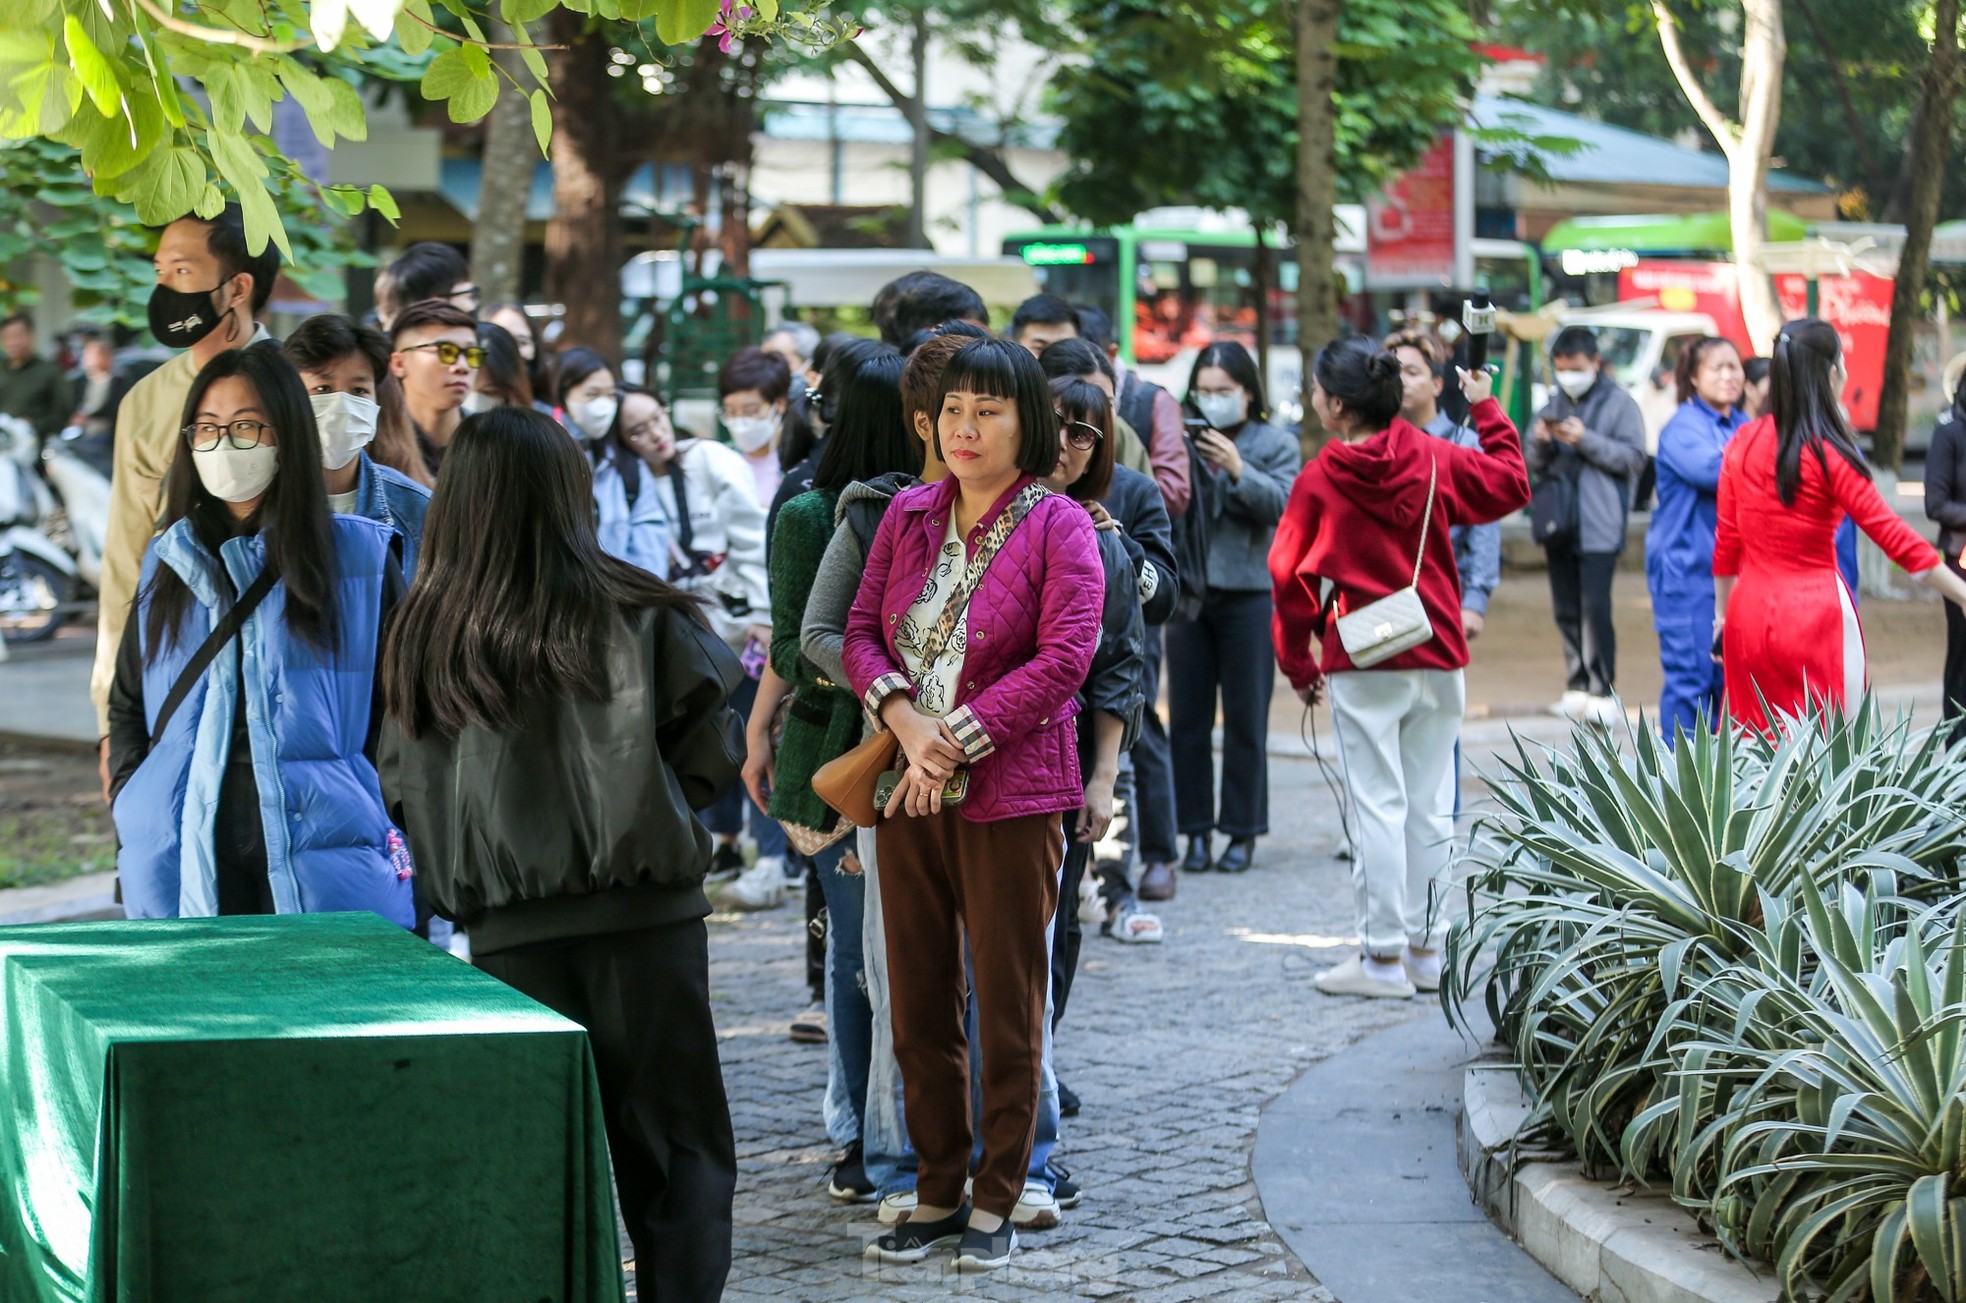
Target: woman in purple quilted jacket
[[971, 635]]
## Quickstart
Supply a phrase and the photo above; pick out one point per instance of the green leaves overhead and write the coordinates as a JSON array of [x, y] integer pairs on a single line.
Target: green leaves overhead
[[104, 80], [1197, 103]]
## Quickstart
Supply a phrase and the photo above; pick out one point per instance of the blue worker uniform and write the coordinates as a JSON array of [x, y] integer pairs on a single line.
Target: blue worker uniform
[[1679, 562]]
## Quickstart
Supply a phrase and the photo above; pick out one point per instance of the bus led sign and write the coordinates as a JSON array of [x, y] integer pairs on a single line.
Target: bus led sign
[[1057, 255]]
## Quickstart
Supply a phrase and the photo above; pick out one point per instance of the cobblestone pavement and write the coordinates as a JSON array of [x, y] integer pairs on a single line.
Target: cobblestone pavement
[[1174, 1049]]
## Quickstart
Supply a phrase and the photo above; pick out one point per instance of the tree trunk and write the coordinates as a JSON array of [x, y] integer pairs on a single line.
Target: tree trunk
[[1927, 151], [1260, 274], [1749, 146], [498, 237], [583, 242], [1317, 192], [1762, 53], [917, 111]]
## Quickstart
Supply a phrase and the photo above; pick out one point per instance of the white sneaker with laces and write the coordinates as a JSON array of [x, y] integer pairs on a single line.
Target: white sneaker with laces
[[1037, 1208], [1350, 978], [895, 1208], [762, 886], [1570, 705]]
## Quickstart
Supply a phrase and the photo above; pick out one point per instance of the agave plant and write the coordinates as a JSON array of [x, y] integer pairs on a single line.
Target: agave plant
[[1620, 882], [1843, 1158]]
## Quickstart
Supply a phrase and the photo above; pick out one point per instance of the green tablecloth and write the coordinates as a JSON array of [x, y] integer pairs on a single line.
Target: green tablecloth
[[311, 1107]]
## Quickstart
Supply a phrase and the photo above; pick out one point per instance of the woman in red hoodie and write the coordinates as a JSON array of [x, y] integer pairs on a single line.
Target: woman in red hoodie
[[1372, 510]]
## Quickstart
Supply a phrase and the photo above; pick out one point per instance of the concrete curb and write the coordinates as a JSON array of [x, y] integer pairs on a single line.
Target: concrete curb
[[1608, 1246], [93, 895]]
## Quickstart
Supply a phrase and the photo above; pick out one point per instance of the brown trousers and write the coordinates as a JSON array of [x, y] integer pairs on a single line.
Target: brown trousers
[[945, 879]]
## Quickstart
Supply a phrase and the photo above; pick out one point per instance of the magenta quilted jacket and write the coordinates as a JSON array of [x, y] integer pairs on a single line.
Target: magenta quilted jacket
[[1033, 625]]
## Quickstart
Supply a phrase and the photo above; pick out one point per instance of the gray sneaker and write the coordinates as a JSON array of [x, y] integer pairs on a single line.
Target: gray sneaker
[[986, 1251]]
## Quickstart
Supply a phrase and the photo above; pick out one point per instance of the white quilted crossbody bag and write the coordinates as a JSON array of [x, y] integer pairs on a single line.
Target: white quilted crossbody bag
[[1397, 622]]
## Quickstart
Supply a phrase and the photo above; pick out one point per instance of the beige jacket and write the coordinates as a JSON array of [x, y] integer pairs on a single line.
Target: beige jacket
[[146, 439]]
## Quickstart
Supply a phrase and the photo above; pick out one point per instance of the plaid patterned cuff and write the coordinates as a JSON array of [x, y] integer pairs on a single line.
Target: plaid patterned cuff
[[968, 729], [878, 691]]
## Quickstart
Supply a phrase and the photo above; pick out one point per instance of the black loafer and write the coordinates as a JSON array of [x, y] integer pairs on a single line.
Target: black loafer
[[986, 1252], [1068, 1101], [1237, 859], [1197, 858], [913, 1240]]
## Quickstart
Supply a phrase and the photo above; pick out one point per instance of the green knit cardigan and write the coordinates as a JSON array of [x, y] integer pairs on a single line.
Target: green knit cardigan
[[824, 721]]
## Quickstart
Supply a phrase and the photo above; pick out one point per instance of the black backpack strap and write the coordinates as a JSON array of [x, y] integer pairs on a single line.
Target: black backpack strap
[[222, 633]]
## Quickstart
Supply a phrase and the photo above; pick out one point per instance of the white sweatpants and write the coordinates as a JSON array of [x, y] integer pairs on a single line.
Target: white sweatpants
[[1396, 732]]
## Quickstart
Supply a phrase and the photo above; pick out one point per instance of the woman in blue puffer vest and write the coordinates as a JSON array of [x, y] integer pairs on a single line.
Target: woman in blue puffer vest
[[257, 794]]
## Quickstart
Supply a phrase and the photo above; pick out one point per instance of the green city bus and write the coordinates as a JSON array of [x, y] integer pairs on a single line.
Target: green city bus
[[1171, 290]]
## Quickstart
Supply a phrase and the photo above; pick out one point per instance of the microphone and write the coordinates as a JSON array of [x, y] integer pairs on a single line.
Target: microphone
[[1478, 319]]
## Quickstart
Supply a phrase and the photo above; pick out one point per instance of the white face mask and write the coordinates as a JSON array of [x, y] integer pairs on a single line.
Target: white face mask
[[1222, 410], [477, 401], [346, 423], [236, 474], [751, 433], [1576, 383], [592, 418]]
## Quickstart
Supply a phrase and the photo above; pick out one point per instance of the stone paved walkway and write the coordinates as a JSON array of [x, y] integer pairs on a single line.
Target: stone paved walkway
[[1174, 1049]]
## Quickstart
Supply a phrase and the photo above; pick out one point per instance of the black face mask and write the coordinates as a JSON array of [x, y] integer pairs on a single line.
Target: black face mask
[[180, 318]]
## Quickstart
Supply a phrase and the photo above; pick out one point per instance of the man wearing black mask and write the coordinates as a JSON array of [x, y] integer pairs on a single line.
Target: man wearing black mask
[[209, 294]]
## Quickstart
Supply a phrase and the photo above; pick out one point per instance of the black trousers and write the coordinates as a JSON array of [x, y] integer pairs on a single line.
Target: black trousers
[[1225, 652], [644, 998], [1151, 818], [1580, 592], [1067, 933], [1955, 674]]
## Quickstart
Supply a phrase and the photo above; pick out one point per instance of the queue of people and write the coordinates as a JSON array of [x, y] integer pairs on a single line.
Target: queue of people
[[440, 625]]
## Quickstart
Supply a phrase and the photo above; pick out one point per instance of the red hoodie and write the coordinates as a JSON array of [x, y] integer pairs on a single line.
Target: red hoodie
[[1354, 518]]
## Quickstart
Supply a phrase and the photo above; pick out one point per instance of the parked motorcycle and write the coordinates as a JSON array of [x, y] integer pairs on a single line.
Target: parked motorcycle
[[38, 579]]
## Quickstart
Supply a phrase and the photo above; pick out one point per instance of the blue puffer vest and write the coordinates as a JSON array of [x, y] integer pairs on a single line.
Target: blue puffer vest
[[308, 716], [397, 501]]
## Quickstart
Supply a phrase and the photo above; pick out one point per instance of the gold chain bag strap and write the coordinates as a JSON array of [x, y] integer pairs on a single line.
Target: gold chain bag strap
[[847, 782]]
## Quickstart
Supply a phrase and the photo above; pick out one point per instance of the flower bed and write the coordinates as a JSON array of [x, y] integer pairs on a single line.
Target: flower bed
[[1740, 968]]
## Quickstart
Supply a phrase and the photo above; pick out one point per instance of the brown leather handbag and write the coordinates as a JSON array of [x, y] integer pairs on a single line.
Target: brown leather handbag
[[846, 782]]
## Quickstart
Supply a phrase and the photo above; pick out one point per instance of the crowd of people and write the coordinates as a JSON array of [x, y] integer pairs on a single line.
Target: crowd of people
[[424, 618]]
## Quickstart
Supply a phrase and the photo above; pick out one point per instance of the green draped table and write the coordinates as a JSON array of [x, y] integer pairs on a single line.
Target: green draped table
[[316, 1107]]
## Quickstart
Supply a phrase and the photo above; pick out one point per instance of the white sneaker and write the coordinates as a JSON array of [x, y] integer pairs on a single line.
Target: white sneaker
[[1036, 1210], [1570, 705], [1350, 978], [895, 1208], [1604, 711], [1422, 970], [762, 886]]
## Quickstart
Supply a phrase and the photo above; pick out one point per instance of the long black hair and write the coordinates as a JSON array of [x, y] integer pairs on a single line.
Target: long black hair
[[870, 437], [1235, 359], [1805, 406], [513, 596], [292, 517]]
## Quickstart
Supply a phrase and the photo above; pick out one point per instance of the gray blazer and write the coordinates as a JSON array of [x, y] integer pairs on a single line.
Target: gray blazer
[[1606, 463]]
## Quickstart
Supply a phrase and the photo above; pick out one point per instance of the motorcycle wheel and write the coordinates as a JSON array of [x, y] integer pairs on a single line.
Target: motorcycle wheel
[[33, 595]]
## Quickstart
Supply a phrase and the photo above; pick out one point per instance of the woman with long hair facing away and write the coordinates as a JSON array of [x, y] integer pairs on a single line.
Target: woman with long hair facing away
[[556, 717], [971, 635], [1368, 519], [1786, 626], [242, 716]]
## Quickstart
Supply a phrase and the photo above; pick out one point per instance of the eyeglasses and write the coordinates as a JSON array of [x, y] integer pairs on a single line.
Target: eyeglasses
[[1082, 435], [646, 430], [239, 434], [448, 353], [469, 293]]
